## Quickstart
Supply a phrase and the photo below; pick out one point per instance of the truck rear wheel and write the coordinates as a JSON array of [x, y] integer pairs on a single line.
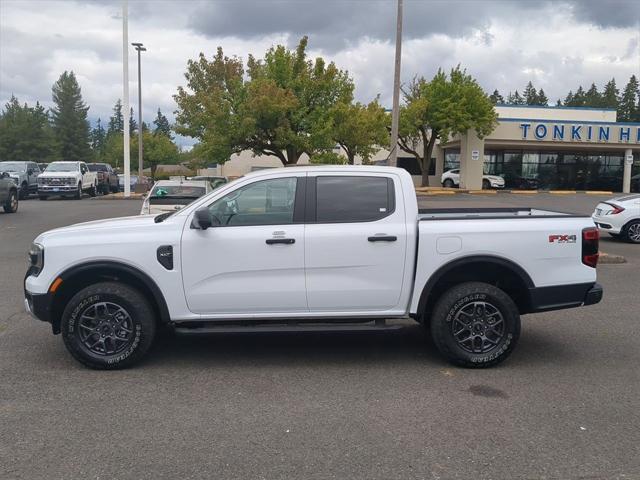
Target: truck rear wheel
[[108, 326], [475, 325]]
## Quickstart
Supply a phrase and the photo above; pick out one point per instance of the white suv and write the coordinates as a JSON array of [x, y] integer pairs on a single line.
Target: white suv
[[451, 179], [620, 217]]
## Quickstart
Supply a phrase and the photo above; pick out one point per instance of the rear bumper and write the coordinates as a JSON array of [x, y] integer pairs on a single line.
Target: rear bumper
[[545, 299]]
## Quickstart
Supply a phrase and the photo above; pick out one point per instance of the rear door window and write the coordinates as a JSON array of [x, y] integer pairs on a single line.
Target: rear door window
[[353, 199]]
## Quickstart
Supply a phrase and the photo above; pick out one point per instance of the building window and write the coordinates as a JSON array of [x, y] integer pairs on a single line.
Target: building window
[[451, 159], [410, 164]]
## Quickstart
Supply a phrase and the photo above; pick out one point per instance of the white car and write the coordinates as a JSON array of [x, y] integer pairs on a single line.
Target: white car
[[451, 179], [67, 179], [307, 249], [620, 217], [172, 195]]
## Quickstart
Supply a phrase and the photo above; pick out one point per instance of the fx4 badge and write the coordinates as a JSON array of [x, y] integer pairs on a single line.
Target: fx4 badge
[[562, 239]]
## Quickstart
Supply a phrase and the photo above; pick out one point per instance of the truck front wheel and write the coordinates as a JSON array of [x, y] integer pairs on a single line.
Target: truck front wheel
[[108, 326], [475, 325]]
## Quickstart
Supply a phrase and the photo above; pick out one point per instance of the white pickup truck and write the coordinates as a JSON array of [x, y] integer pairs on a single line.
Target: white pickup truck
[[67, 179], [310, 248]]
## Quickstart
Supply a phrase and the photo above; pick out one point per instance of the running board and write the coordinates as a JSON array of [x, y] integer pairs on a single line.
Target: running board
[[206, 328]]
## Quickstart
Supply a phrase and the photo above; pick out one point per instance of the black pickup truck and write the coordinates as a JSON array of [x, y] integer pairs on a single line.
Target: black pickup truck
[[107, 177]]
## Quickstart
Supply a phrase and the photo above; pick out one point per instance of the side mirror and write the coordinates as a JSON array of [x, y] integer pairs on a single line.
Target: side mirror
[[202, 219], [4, 174], [30, 171]]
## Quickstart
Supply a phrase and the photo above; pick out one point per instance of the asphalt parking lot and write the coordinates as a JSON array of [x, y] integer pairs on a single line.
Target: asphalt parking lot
[[566, 405]]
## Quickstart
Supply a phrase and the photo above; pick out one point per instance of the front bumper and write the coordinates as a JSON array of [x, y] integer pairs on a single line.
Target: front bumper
[[57, 188], [545, 299], [39, 306]]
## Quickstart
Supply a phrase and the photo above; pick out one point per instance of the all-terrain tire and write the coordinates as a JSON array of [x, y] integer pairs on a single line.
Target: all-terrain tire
[[101, 313], [78, 195], [482, 312], [24, 191], [93, 191], [11, 206]]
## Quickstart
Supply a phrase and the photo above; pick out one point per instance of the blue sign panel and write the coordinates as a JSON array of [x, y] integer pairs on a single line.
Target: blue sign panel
[[581, 133]]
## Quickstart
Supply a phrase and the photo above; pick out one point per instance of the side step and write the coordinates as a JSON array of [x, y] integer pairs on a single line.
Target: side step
[[211, 327]]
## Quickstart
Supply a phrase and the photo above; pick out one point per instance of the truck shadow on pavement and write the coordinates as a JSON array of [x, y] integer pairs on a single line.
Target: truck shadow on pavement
[[409, 345]]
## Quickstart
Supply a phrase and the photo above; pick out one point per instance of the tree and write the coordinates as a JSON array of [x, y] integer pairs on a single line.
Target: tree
[[116, 121], [25, 133], [496, 98], [515, 99], [158, 149], [69, 119], [610, 94], [98, 140], [133, 125], [542, 98], [359, 129], [530, 94], [162, 126], [282, 108], [440, 108], [575, 99], [592, 97], [629, 106]]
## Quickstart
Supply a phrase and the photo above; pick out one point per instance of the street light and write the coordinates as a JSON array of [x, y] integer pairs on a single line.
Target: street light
[[395, 114], [139, 187]]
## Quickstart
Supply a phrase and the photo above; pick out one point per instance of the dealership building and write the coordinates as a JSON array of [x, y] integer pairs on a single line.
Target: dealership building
[[548, 148], [554, 148]]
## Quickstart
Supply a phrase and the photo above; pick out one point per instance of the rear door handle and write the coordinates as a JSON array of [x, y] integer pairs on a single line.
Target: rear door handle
[[286, 241], [383, 238]]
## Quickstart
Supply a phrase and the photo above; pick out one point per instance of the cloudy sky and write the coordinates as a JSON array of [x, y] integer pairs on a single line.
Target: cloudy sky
[[556, 44]]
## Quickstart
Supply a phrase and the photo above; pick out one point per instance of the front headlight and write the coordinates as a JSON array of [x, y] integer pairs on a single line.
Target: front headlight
[[36, 259]]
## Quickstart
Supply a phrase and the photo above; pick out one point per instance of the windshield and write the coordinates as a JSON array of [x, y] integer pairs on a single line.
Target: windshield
[[62, 167], [12, 167], [182, 191], [97, 168]]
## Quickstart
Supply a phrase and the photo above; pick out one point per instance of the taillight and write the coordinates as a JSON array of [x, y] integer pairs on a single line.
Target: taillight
[[616, 209], [590, 243]]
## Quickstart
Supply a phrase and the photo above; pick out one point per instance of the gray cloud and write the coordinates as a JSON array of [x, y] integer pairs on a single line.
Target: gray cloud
[[334, 24], [610, 13]]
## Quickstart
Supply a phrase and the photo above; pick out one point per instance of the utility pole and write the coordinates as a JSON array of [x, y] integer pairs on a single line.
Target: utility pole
[[395, 114], [140, 188], [125, 96]]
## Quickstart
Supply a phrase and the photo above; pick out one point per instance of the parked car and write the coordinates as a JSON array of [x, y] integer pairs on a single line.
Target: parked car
[[24, 175], [215, 181], [133, 181], [67, 179], [107, 177], [620, 217], [451, 179], [305, 248], [170, 195], [8, 193]]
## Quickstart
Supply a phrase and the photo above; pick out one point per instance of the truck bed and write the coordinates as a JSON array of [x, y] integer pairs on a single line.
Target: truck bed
[[489, 213]]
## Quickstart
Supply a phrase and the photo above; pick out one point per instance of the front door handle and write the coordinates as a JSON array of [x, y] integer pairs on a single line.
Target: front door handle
[[383, 238], [286, 241]]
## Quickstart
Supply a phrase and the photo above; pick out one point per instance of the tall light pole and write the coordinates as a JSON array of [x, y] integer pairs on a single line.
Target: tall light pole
[[125, 96], [395, 114], [139, 187]]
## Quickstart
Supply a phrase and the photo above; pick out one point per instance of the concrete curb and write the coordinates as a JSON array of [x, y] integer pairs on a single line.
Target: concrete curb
[[120, 196], [610, 259]]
